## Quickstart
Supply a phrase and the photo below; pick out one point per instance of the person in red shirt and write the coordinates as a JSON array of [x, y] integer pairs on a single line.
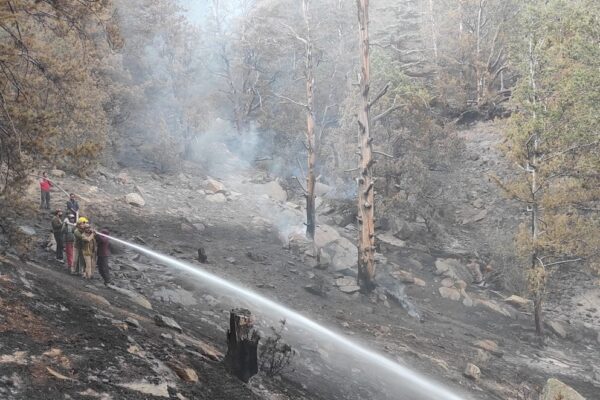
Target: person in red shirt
[[45, 186]]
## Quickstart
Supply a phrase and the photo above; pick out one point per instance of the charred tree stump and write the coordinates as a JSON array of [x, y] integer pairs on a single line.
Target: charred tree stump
[[202, 257], [242, 345]]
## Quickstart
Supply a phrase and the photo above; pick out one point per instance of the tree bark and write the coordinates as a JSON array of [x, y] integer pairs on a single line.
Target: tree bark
[[310, 128], [366, 220], [242, 345]]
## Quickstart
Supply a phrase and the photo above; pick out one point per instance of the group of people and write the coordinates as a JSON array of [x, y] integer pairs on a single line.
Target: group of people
[[85, 248]]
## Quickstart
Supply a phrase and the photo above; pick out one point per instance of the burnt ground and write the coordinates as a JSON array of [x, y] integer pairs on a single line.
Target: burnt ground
[[80, 325]]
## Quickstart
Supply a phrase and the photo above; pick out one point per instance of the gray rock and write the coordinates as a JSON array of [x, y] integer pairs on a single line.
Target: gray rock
[[167, 322], [179, 296], [132, 322], [449, 293], [158, 390], [58, 173], [452, 268], [557, 328], [135, 200], [349, 289], [214, 186], [200, 227], [556, 389], [216, 198], [480, 216], [275, 191], [135, 297], [27, 230], [472, 371]]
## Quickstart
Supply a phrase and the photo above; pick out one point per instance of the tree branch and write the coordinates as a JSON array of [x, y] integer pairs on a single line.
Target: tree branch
[[291, 100], [300, 184], [381, 153], [379, 95]]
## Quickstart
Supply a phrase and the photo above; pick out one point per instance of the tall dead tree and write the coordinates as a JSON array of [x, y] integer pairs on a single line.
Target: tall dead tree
[[310, 128], [366, 219], [309, 106]]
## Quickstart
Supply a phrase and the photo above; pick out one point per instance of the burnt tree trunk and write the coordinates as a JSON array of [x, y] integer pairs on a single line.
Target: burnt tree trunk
[[310, 128], [242, 345], [539, 326], [366, 220]]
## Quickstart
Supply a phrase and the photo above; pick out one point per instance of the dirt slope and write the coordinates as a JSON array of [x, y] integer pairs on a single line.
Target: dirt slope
[[242, 228]]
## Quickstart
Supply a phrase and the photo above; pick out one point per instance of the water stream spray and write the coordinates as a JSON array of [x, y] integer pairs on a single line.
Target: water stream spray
[[411, 381]]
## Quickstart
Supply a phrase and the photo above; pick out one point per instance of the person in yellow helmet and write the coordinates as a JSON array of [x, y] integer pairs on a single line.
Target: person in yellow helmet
[[78, 260]]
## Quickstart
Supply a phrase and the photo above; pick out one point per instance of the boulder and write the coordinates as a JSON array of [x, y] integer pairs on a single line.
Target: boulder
[[325, 234], [342, 253], [200, 227], [214, 186], [123, 178], [187, 228], [135, 297], [557, 328], [345, 281], [349, 289], [447, 282], [449, 293], [419, 282], [185, 373], [322, 189], [480, 216], [492, 306], [467, 300], [167, 322], [460, 284], [274, 191], [472, 371], [556, 389], [157, 390], [27, 230], [216, 198], [135, 200], [132, 322], [452, 268], [519, 302], [58, 173], [391, 240], [487, 345]]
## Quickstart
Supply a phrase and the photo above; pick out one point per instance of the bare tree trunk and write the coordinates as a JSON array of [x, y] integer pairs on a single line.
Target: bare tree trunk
[[478, 66], [242, 345], [366, 220], [310, 129], [433, 31]]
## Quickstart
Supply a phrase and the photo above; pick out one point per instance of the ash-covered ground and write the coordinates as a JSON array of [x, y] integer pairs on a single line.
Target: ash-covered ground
[[64, 337]]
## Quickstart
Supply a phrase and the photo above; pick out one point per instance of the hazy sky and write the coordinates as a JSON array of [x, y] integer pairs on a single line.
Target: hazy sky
[[196, 9]]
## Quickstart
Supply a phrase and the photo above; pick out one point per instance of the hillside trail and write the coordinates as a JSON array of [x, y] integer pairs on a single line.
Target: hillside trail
[[245, 222]]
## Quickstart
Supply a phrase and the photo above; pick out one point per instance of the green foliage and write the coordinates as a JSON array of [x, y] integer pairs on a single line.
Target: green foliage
[[51, 90], [554, 135]]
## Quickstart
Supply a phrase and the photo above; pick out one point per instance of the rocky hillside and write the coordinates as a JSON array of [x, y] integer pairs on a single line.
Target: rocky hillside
[[159, 332]]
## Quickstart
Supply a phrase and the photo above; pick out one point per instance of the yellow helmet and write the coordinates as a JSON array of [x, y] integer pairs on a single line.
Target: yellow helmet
[[82, 220]]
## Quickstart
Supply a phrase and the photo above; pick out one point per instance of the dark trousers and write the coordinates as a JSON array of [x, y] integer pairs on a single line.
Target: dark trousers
[[103, 268], [45, 200], [59, 245]]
